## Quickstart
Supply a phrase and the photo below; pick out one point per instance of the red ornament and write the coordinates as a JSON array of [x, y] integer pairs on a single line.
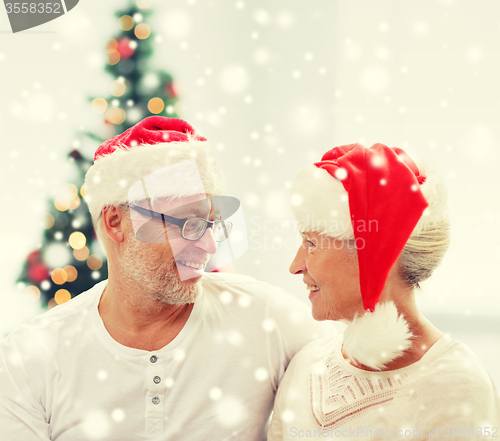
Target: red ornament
[[33, 257], [124, 48], [37, 273], [171, 90]]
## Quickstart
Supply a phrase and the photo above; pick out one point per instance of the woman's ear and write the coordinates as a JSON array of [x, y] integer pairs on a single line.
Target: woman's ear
[[114, 223]]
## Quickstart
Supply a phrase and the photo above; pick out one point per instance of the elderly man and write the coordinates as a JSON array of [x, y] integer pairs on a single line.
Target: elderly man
[[158, 351]]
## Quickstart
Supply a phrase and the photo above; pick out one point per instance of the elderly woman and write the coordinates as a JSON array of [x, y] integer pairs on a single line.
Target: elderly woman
[[374, 226]]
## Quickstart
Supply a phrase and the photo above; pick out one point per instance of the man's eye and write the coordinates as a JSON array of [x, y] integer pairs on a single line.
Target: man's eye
[[310, 244], [191, 223]]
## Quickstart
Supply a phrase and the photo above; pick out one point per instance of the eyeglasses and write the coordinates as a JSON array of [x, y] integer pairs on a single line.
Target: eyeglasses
[[192, 228]]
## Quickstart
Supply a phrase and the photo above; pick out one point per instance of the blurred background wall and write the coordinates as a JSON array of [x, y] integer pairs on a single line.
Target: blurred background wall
[[273, 85]]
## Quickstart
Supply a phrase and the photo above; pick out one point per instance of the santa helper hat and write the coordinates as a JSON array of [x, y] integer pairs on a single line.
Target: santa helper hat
[[152, 144], [380, 197]]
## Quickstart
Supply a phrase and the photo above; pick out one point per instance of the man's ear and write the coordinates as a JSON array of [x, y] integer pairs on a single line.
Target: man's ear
[[114, 223]]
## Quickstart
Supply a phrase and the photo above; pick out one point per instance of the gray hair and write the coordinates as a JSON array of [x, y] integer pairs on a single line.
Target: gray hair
[[424, 252], [421, 255]]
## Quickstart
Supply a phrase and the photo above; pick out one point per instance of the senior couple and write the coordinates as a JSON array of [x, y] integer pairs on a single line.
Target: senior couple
[[165, 350]]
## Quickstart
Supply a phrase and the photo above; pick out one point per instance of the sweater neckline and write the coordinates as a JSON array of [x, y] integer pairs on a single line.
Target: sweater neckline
[[433, 352]]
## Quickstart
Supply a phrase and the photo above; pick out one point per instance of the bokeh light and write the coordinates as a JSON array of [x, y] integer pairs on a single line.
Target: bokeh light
[[156, 105], [71, 272], [111, 46], [62, 204], [94, 262], [59, 276], [77, 240], [118, 88], [67, 198], [49, 221], [72, 188], [75, 203], [113, 58], [33, 292], [149, 82], [62, 296], [56, 254], [99, 105], [112, 52], [142, 31], [115, 115], [126, 22], [81, 254]]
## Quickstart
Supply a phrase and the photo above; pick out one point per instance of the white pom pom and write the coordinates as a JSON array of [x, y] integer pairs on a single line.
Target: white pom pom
[[378, 337]]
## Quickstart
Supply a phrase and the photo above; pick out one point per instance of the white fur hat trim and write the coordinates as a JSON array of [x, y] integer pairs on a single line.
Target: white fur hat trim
[[109, 179], [376, 338], [320, 203]]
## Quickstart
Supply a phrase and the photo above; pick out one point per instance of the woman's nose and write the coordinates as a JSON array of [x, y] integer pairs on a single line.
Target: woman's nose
[[298, 264]]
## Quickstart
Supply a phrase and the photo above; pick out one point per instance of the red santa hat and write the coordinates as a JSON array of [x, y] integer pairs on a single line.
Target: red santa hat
[[379, 197], [152, 144]]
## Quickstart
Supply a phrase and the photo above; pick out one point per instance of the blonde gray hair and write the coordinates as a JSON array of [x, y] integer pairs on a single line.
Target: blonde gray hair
[[424, 252], [421, 255]]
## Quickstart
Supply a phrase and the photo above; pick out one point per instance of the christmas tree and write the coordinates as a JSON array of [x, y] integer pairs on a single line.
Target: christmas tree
[[70, 260]]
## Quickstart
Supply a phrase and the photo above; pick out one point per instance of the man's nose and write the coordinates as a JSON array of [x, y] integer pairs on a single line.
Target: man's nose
[[298, 265], [207, 242]]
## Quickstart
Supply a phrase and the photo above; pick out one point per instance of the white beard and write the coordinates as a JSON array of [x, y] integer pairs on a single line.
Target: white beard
[[154, 272]]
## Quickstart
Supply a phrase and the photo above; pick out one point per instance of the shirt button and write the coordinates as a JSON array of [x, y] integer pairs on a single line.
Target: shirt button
[[153, 359], [157, 379], [155, 400]]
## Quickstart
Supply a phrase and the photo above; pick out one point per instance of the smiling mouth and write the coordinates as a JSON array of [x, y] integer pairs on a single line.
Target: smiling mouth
[[194, 265], [312, 288]]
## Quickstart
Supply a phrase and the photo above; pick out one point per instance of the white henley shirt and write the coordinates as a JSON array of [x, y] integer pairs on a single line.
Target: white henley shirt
[[64, 378]]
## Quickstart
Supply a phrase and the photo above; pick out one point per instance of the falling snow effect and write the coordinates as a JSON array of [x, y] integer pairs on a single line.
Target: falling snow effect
[[440, 87], [177, 24], [96, 425], [230, 411], [234, 79]]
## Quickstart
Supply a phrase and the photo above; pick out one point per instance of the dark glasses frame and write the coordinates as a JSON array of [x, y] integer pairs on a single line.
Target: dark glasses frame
[[181, 222]]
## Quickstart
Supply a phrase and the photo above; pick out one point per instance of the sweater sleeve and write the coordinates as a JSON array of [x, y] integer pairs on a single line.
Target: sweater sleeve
[[459, 396], [22, 415]]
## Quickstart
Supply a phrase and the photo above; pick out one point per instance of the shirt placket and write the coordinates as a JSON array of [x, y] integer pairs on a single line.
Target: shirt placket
[[156, 394]]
